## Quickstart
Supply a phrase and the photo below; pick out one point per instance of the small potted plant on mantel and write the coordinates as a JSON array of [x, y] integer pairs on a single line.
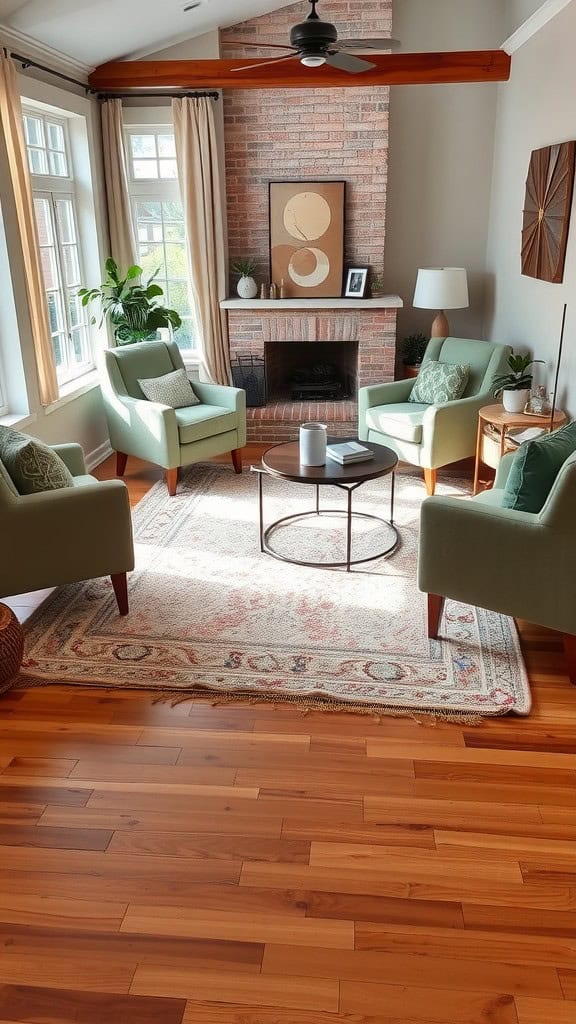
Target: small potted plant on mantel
[[245, 268], [515, 386], [413, 349]]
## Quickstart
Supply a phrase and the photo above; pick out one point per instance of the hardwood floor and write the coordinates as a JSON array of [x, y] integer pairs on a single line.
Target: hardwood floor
[[248, 864]]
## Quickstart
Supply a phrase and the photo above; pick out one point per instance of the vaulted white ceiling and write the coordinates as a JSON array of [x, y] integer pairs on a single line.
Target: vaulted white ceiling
[[94, 31]]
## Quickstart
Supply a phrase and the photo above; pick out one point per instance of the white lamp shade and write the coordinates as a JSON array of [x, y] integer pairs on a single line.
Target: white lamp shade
[[441, 288]]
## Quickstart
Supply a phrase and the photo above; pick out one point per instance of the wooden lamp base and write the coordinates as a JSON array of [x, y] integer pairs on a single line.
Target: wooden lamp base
[[440, 326]]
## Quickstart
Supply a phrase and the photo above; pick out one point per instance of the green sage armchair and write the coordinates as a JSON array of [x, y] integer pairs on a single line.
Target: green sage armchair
[[65, 536], [432, 436], [519, 563], [171, 438]]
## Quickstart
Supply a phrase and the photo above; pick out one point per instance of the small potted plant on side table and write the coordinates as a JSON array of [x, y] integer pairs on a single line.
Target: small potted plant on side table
[[413, 349], [516, 385]]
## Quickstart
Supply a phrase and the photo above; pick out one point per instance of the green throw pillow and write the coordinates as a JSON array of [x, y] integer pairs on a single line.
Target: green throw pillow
[[535, 468], [172, 389], [32, 465], [440, 382]]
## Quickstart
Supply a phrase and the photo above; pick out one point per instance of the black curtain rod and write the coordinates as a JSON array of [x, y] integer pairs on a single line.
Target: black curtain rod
[[184, 94], [27, 63]]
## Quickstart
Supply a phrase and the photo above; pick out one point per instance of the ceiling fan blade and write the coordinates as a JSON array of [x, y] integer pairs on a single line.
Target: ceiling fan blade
[[257, 46], [370, 44], [265, 63], [348, 62]]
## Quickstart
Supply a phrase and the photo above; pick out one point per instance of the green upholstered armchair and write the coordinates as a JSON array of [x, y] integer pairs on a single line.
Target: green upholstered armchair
[[432, 436], [64, 536], [518, 563], [157, 433]]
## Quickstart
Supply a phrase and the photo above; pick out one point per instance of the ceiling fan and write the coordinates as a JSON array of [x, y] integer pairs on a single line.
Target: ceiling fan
[[315, 42]]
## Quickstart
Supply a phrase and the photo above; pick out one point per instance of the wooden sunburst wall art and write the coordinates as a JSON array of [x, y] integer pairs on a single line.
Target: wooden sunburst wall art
[[547, 207]]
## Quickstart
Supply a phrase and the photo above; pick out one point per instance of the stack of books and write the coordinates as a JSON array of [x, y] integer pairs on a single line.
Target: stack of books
[[349, 452]]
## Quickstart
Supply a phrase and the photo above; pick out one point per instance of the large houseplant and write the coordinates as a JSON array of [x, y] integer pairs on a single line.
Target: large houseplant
[[515, 386], [131, 305]]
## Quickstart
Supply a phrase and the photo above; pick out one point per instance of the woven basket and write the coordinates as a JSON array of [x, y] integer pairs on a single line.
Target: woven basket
[[11, 647]]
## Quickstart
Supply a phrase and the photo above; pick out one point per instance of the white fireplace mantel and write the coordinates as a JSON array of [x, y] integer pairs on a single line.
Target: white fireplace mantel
[[384, 302]]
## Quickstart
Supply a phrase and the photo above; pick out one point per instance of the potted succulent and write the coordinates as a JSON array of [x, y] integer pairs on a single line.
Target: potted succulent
[[246, 287], [413, 349], [516, 385], [131, 305]]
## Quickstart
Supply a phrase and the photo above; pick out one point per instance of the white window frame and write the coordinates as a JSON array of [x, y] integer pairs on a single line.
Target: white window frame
[[3, 397], [157, 190], [53, 187]]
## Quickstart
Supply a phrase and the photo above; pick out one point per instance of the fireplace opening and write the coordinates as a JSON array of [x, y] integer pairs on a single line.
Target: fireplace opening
[[311, 370]]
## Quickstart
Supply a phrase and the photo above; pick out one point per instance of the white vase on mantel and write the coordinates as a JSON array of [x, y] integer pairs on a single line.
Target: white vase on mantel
[[514, 401], [247, 288]]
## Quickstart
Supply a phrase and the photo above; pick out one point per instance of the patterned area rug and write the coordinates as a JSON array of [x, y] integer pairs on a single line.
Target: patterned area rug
[[209, 611]]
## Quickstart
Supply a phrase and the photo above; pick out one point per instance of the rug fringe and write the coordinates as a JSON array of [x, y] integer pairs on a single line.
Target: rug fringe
[[306, 703]]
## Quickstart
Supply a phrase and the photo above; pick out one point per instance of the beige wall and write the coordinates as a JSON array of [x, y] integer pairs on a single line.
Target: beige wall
[[441, 151], [535, 109], [519, 11]]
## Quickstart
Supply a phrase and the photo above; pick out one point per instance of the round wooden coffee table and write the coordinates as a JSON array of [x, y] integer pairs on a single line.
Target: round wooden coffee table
[[283, 460]]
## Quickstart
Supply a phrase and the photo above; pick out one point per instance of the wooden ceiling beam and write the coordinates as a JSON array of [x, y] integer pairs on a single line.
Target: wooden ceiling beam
[[391, 69]]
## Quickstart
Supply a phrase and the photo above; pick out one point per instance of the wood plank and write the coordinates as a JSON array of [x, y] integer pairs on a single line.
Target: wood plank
[[391, 836], [24, 1003], [188, 922], [300, 994], [516, 847], [108, 770], [387, 909], [451, 972], [406, 864], [56, 912], [75, 973], [77, 747], [524, 920], [440, 753], [316, 782], [110, 865], [415, 1004], [226, 847], [495, 946], [164, 824], [568, 981], [545, 1011], [392, 69], [447, 813], [59, 767], [232, 800], [55, 838], [29, 791]]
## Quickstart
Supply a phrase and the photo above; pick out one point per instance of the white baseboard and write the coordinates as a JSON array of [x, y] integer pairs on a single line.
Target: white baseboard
[[99, 454]]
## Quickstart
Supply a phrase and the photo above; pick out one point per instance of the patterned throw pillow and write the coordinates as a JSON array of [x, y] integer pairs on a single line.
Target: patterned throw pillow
[[172, 389], [440, 382], [32, 466]]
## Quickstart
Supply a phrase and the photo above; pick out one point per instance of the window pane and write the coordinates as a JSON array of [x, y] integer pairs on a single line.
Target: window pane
[[57, 164], [34, 131], [185, 336], [65, 220], [145, 169], [179, 297], [55, 312], [152, 259], [149, 211], [176, 265], [174, 232], [43, 221], [74, 310], [48, 260], [71, 265], [79, 346], [58, 347], [168, 169], [55, 136], [166, 145], [38, 161], [143, 145]]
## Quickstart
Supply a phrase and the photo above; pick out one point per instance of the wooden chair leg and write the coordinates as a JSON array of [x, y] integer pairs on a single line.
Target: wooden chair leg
[[120, 584], [172, 481], [121, 460], [430, 481], [435, 606], [570, 655], [236, 454]]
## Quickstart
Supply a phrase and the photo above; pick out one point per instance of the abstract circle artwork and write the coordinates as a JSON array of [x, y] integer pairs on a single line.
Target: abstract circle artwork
[[307, 237]]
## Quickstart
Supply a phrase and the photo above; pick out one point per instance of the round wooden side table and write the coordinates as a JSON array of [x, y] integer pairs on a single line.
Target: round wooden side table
[[496, 417], [11, 647]]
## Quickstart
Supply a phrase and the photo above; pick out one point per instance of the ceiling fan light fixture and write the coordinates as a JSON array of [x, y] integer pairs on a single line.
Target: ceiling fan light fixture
[[313, 60]]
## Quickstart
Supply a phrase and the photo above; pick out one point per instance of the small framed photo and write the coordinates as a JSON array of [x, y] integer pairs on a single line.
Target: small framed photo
[[356, 284]]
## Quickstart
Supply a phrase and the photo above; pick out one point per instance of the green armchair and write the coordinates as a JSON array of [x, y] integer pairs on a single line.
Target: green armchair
[[432, 436], [64, 536], [518, 563], [171, 438]]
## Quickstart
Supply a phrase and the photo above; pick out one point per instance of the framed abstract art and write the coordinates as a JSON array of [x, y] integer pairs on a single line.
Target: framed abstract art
[[307, 237], [547, 206]]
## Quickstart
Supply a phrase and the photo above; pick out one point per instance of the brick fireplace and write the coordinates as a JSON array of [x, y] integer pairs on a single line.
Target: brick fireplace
[[309, 134], [368, 327]]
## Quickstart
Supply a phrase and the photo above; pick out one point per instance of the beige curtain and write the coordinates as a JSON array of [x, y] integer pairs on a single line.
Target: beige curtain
[[13, 130], [122, 241], [203, 201]]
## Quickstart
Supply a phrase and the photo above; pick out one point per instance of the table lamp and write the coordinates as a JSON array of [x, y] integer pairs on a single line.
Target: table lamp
[[441, 288]]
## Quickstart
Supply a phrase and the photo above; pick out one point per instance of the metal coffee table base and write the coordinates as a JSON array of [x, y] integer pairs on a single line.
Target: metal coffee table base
[[266, 533]]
